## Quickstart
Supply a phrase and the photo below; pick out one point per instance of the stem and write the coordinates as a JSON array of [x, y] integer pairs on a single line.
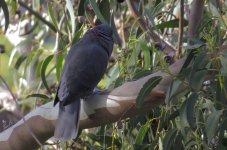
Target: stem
[[181, 29]]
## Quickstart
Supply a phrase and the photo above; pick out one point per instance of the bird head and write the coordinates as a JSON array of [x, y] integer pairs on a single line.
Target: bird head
[[104, 29], [104, 32]]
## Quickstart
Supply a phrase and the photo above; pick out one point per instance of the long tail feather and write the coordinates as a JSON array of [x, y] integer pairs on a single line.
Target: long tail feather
[[67, 124]]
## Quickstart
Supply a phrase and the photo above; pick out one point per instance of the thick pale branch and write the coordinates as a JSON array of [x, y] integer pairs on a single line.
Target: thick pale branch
[[97, 110], [196, 14]]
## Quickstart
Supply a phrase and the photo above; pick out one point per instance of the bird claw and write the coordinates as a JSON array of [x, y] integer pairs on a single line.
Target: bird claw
[[95, 92], [100, 92]]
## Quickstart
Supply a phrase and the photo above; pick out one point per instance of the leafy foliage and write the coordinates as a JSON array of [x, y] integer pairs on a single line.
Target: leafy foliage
[[194, 116]]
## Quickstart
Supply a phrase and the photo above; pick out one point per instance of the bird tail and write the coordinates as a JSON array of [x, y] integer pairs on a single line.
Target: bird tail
[[67, 124]]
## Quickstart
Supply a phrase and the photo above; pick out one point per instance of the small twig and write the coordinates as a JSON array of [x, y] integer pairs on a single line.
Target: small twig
[[123, 33], [37, 15], [21, 114], [123, 114], [181, 30]]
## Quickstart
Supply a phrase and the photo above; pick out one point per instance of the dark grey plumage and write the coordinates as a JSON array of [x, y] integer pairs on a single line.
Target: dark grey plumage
[[84, 67]]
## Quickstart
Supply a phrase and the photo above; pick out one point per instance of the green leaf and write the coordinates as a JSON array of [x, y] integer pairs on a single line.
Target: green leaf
[[141, 74], [19, 61], [104, 7], [223, 58], [142, 132], [38, 69], [13, 5], [97, 11], [81, 8], [158, 8], [36, 5], [174, 86], [146, 53], [197, 75], [197, 79], [194, 46], [43, 96], [215, 12], [147, 87], [188, 60], [69, 6], [170, 24], [119, 81], [190, 107], [112, 75], [51, 13], [200, 62], [59, 65], [190, 144], [43, 71], [139, 31], [78, 35], [178, 143], [212, 124], [222, 129], [4, 7], [167, 141], [187, 111]]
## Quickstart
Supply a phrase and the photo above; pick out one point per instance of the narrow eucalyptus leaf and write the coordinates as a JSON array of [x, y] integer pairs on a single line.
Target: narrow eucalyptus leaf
[[104, 7], [69, 6], [19, 61], [43, 96], [222, 132], [59, 65], [170, 24], [191, 101], [223, 59], [146, 54], [197, 79], [4, 7], [43, 71], [183, 118], [212, 124], [51, 13], [141, 134], [147, 87], [141, 74], [169, 137], [187, 112], [97, 11], [78, 35], [174, 86]]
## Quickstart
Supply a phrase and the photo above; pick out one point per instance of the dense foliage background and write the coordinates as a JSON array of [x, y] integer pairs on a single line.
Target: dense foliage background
[[36, 35]]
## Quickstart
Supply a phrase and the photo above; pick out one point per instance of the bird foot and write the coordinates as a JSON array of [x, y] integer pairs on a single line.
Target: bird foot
[[100, 92], [95, 92]]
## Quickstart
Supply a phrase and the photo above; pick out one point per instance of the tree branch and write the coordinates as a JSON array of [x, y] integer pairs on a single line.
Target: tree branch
[[97, 110], [195, 17], [181, 30], [157, 38]]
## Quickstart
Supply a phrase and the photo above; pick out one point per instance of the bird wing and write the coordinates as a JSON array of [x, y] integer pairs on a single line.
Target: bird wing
[[83, 69]]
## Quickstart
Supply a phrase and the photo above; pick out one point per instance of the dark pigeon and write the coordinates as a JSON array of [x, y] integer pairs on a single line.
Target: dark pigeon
[[84, 67]]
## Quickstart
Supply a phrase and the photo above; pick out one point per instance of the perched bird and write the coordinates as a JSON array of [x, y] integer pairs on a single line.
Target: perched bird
[[84, 67]]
